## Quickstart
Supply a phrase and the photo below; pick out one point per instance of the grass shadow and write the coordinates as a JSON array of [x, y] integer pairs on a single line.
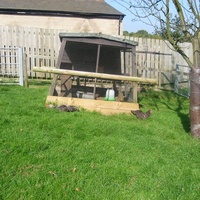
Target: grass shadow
[[185, 120], [176, 105]]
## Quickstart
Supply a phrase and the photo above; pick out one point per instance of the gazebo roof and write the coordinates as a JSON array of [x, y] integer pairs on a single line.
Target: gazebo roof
[[98, 38]]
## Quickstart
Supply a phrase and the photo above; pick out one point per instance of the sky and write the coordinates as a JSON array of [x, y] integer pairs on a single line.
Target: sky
[[129, 25]]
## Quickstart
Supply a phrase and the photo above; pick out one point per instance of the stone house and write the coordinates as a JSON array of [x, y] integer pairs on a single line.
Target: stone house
[[91, 16]]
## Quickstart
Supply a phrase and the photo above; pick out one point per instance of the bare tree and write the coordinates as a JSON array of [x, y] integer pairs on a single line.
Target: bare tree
[[159, 13]]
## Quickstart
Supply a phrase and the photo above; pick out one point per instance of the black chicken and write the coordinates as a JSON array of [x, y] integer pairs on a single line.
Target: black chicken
[[67, 108], [72, 108], [141, 115], [62, 108]]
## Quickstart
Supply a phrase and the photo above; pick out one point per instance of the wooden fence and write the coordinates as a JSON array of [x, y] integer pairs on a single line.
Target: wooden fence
[[41, 46], [154, 58], [157, 59]]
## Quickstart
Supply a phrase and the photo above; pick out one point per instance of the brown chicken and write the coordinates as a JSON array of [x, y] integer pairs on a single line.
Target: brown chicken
[[141, 115]]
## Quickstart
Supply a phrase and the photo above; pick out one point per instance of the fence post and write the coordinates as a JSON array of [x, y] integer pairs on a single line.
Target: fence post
[[21, 67], [25, 70]]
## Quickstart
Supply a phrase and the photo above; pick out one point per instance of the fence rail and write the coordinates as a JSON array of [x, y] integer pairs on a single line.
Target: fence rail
[[154, 58]]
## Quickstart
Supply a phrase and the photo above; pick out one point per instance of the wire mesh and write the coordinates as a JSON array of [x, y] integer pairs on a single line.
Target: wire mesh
[[182, 83]]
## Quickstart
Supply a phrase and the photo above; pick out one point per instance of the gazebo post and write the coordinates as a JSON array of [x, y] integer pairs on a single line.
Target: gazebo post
[[125, 83], [96, 70]]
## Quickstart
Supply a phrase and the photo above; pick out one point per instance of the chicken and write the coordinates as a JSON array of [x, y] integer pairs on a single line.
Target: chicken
[[67, 108], [141, 115], [72, 108]]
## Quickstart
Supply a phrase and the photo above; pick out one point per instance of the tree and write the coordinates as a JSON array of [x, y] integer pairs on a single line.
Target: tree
[[125, 33], [180, 21], [176, 33], [142, 33]]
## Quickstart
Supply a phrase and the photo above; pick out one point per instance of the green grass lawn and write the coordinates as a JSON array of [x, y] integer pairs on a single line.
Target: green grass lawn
[[47, 154]]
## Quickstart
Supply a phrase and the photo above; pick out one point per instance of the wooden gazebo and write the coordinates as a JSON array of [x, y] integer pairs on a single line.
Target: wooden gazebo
[[88, 66]]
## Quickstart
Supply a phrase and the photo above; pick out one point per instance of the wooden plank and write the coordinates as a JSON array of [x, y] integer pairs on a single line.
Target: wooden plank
[[27, 51], [95, 75], [52, 49], [134, 73], [104, 107], [36, 49]]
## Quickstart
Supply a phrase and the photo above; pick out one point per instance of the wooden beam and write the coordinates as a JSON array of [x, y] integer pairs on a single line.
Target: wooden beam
[[55, 78], [94, 75], [104, 107]]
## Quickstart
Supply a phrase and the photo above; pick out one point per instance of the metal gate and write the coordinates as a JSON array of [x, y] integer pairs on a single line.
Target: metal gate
[[11, 66], [182, 83]]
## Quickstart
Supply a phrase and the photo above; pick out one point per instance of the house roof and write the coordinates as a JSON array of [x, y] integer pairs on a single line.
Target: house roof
[[81, 7]]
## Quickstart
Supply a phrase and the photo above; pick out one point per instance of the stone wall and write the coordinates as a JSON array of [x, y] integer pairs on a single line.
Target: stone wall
[[68, 24]]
